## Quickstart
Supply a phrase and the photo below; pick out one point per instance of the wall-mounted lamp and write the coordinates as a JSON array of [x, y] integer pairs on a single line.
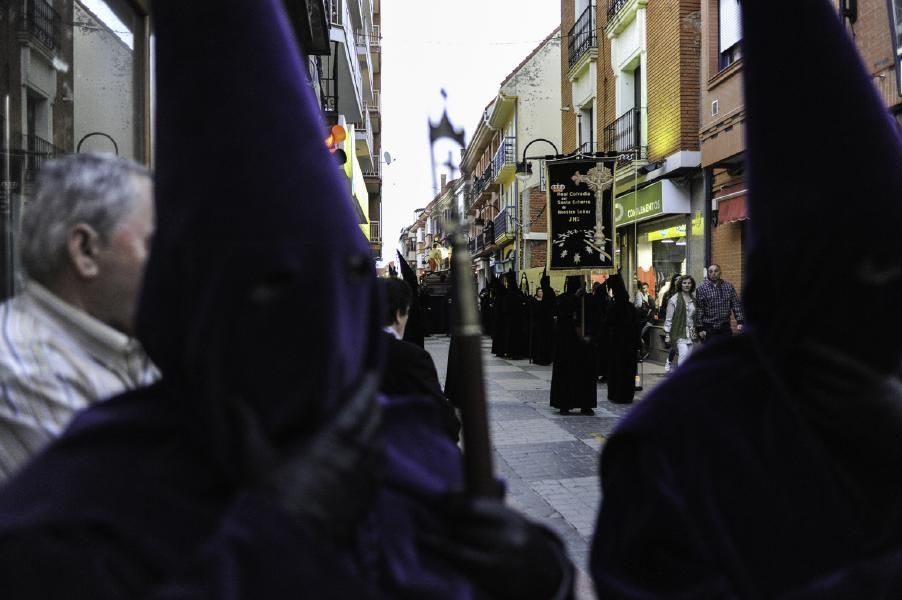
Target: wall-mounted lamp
[[524, 168], [566, 108], [101, 134]]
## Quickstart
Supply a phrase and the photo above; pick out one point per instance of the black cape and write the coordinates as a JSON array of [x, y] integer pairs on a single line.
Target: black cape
[[573, 382]]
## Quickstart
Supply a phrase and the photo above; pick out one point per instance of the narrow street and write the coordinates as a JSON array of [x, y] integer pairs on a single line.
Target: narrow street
[[549, 461]]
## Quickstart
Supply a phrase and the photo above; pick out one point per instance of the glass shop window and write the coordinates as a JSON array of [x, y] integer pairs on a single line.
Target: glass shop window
[[660, 254]]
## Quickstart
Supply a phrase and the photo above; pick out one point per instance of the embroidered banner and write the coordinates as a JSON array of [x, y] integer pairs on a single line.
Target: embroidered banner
[[580, 214]]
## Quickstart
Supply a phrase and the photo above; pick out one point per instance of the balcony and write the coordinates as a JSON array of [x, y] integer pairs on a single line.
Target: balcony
[[375, 232], [485, 241], [504, 164], [625, 136], [582, 36], [374, 105], [505, 227], [42, 22], [37, 152], [614, 7], [481, 185], [373, 171], [340, 73], [363, 142]]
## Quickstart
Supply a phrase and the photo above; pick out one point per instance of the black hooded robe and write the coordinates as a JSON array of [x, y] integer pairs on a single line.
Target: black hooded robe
[[573, 382], [542, 328], [516, 324], [623, 344]]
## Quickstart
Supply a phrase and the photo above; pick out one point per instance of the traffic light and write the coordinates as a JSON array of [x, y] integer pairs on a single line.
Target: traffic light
[[337, 135]]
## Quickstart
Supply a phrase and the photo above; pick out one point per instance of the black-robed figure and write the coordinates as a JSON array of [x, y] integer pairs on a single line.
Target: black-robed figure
[[499, 318], [598, 330], [623, 343], [415, 331], [485, 309], [541, 329], [516, 319], [573, 376]]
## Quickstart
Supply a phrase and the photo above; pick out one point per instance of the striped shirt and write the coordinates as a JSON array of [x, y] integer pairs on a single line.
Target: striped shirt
[[54, 360]]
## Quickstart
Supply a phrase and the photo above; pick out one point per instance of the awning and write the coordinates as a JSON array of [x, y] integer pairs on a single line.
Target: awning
[[734, 209]]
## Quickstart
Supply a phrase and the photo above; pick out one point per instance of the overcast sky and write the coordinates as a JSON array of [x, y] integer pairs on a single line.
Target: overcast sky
[[465, 47]]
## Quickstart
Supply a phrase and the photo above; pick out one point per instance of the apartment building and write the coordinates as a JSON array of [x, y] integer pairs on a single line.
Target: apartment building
[[508, 228], [349, 81], [630, 84]]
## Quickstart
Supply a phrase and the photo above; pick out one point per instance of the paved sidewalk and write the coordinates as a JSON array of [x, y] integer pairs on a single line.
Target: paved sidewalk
[[549, 461]]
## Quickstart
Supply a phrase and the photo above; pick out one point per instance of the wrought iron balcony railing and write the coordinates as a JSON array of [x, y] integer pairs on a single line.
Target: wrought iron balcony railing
[[376, 171], [506, 155], [614, 7], [582, 35], [37, 151], [504, 223], [625, 135], [43, 22], [483, 181]]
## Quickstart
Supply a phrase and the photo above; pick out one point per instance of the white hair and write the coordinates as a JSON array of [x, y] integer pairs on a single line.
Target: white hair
[[95, 189]]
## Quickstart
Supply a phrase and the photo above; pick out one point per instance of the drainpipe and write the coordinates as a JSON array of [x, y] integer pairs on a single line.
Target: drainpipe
[[709, 225], [6, 225]]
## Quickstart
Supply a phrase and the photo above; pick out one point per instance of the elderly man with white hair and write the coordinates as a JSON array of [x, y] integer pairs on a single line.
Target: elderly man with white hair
[[66, 341]]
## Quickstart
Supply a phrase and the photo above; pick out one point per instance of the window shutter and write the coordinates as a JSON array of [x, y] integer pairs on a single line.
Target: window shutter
[[730, 23]]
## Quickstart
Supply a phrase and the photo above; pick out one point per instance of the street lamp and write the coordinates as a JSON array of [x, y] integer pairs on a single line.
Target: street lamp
[[524, 168]]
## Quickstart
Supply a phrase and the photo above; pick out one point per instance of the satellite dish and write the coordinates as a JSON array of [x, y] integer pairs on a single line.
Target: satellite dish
[[386, 158]]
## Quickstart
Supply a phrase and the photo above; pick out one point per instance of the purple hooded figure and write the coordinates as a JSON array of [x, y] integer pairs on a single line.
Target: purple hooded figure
[[768, 466], [264, 464]]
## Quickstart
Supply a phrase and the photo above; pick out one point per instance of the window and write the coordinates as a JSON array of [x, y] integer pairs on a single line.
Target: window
[[587, 128], [730, 22], [895, 23]]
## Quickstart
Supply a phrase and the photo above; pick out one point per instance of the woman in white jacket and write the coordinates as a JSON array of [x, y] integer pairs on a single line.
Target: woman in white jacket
[[680, 322]]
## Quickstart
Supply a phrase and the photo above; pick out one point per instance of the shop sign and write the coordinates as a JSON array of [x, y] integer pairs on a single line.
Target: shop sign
[[661, 197], [632, 206], [667, 234], [580, 214], [698, 224]]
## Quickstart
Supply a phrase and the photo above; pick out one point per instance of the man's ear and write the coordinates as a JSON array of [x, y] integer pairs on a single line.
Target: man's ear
[[82, 247]]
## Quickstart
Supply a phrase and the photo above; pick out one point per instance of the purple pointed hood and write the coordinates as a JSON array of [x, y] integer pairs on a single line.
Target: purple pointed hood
[[260, 286], [825, 181]]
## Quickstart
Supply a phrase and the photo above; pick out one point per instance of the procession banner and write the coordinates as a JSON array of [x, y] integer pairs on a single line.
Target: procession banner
[[580, 214]]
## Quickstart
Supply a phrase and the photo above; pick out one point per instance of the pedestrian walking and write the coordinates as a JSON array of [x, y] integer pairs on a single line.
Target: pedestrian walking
[[679, 327], [645, 311], [717, 299], [671, 288]]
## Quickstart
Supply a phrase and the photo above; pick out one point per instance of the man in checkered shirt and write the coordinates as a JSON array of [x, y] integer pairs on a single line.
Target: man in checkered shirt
[[715, 300]]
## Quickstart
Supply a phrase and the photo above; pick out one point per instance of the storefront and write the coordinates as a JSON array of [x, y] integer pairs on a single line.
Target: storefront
[[655, 234]]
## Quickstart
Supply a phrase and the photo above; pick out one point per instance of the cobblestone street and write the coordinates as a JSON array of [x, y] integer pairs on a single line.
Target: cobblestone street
[[549, 461]]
